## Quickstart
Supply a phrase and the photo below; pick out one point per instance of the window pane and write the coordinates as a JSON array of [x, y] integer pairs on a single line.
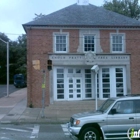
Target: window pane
[[87, 71], [119, 69], [70, 80], [60, 75], [60, 91], [87, 85], [137, 106], [60, 70], [89, 43], [78, 91], [70, 86], [77, 81], [60, 96], [124, 107], [61, 43], [78, 86], [78, 71], [119, 82], [78, 95], [88, 90], [60, 81], [106, 95], [88, 95], [70, 70], [70, 91], [60, 85], [106, 82], [70, 96], [88, 80], [117, 43], [87, 75]]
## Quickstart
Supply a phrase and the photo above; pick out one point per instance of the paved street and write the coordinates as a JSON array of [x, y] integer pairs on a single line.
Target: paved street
[[34, 131], [3, 90]]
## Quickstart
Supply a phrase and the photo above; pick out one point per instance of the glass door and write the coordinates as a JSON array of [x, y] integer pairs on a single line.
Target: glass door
[[75, 88]]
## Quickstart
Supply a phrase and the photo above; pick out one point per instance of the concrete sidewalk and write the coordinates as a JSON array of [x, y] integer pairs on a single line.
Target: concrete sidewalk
[[13, 109]]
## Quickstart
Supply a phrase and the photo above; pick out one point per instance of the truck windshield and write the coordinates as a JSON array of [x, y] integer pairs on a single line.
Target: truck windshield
[[105, 106], [19, 78]]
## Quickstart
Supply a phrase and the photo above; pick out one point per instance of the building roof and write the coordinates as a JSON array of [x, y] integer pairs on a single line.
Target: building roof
[[84, 16]]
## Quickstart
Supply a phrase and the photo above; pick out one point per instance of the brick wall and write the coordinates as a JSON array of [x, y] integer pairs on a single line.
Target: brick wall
[[40, 43], [132, 47]]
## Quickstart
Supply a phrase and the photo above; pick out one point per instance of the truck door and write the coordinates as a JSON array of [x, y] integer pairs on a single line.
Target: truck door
[[122, 120]]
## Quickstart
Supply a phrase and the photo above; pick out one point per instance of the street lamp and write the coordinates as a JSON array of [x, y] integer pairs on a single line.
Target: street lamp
[[95, 68], [7, 43]]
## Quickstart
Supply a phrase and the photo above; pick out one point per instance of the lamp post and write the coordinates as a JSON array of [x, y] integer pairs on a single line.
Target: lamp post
[[95, 68], [7, 43]]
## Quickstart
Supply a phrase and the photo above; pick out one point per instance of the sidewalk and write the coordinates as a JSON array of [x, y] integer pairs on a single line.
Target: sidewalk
[[13, 109]]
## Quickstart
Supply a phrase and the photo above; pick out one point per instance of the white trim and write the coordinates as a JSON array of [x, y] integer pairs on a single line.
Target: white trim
[[91, 28], [123, 42], [112, 80], [54, 41], [94, 42], [83, 97]]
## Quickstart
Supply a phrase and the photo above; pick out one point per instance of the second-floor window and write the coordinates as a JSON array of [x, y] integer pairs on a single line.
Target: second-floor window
[[61, 43], [89, 43], [117, 43]]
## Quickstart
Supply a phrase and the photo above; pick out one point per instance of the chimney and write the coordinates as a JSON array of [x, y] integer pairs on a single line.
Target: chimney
[[82, 2]]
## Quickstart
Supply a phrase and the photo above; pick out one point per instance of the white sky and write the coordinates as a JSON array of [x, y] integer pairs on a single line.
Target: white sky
[[14, 13]]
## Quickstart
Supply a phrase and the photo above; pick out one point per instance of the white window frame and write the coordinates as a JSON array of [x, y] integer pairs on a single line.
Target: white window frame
[[67, 42], [84, 42], [123, 42], [113, 92]]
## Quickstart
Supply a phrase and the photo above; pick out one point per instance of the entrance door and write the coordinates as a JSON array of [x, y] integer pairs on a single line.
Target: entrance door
[[74, 88]]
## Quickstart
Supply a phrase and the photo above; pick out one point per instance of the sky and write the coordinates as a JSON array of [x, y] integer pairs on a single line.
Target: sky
[[14, 13]]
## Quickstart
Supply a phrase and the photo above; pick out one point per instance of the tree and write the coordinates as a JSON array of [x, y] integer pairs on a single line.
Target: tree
[[130, 8], [17, 57], [3, 58]]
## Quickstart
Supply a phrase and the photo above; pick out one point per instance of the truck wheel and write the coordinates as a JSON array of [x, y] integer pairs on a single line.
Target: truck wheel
[[90, 133]]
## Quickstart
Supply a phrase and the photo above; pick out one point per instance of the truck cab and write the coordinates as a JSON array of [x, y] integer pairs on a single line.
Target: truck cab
[[20, 80]]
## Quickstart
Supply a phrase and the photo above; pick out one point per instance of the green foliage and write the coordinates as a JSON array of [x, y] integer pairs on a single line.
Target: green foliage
[[17, 57], [3, 55], [128, 8]]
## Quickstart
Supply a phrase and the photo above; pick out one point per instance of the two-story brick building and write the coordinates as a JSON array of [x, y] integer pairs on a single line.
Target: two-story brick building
[[77, 38]]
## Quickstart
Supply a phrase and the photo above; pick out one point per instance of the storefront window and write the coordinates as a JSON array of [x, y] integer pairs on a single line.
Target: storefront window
[[88, 87], [60, 83]]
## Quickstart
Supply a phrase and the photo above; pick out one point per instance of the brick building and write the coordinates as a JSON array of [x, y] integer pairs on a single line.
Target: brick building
[[77, 38]]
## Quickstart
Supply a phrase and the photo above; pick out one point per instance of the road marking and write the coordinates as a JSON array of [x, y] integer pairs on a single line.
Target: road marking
[[65, 129], [35, 132], [13, 129]]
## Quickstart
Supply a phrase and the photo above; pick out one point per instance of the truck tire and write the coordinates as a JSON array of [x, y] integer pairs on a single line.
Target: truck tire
[[90, 133]]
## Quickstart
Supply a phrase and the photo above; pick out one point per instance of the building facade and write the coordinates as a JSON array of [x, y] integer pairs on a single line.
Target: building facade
[[76, 39]]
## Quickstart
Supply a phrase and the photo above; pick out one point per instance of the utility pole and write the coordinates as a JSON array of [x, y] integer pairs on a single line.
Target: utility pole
[[7, 43], [43, 93]]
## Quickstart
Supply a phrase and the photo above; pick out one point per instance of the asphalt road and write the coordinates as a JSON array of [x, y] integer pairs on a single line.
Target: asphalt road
[[3, 90], [33, 131]]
